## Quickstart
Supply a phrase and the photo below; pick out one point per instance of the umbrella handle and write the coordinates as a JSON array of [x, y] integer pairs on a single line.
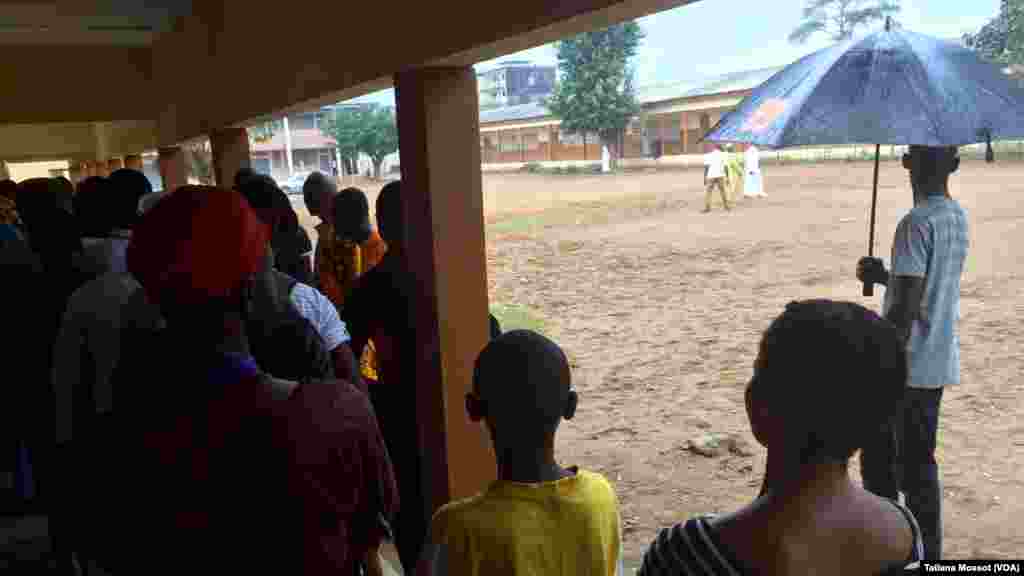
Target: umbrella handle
[[869, 287]]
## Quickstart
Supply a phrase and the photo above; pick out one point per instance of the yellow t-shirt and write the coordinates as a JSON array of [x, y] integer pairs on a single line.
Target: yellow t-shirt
[[569, 526]]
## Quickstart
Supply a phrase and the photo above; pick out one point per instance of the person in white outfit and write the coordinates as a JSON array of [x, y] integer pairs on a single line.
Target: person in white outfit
[[714, 177], [753, 185]]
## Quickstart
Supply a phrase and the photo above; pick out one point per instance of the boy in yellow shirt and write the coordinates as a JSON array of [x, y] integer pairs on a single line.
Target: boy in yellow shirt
[[537, 517]]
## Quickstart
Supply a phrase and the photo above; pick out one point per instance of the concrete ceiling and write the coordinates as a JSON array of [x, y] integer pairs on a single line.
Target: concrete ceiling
[[74, 22]]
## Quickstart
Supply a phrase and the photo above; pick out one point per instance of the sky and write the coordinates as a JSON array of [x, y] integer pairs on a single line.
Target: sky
[[713, 37]]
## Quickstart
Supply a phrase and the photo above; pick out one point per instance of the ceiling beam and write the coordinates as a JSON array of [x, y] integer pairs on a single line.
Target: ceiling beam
[[75, 84], [227, 64]]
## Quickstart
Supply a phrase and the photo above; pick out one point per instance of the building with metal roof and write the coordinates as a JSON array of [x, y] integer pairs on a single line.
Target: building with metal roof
[[675, 116]]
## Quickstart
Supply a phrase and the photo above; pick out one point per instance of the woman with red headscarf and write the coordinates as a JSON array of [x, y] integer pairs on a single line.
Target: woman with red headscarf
[[211, 462]]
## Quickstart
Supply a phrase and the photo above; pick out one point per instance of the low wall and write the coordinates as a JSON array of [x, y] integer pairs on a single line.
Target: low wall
[[834, 153], [516, 166]]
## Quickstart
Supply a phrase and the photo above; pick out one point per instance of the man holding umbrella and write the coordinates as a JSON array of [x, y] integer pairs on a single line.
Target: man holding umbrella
[[896, 87], [922, 299]]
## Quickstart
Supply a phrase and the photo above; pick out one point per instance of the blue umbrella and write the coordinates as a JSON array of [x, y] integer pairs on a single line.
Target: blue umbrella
[[891, 87]]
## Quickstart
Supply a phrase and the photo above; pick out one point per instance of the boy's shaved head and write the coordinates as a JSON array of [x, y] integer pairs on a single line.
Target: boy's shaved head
[[523, 382]]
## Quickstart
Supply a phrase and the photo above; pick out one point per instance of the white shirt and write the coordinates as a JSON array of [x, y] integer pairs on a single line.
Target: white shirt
[[715, 161], [931, 243], [752, 161], [88, 346], [321, 313]]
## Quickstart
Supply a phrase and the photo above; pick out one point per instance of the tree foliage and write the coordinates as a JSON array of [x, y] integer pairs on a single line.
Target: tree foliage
[[595, 93], [838, 19], [1001, 40], [265, 130], [371, 130]]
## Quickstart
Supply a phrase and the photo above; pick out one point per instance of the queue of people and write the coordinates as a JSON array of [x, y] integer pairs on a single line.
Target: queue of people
[[249, 437]]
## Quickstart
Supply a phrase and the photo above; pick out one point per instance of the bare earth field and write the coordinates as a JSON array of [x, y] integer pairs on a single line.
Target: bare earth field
[[660, 308]]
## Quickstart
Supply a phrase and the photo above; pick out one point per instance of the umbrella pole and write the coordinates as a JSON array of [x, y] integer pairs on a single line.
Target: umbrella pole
[[869, 287]]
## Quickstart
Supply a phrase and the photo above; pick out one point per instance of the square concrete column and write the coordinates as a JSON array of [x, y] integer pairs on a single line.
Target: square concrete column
[[173, 168], [230, 154], [133, 162], [439, 143], [114, 164], [99, 168], [75, 172]]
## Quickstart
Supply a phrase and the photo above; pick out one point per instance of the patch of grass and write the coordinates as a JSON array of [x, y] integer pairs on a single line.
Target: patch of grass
[[516, 317], [517, 224]]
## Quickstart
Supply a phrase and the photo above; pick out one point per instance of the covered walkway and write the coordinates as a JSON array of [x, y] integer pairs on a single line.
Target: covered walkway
[[98, 83]]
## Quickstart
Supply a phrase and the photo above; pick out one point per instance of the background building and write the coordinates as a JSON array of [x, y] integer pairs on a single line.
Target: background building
[[674, 117], [311, 149], [515, 82]]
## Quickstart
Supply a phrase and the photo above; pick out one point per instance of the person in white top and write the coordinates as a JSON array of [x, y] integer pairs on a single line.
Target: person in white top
[[753, 185], [714, 177]]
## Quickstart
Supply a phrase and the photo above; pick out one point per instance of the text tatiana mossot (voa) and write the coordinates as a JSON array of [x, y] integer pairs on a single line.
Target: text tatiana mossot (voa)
[[972, 566]]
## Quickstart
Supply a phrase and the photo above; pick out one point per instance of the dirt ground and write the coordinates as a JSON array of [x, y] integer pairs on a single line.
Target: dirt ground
[[660, 308]]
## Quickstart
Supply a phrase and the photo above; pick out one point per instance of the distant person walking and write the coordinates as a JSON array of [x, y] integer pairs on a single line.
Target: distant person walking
[[714, 177], [753, 185], [922, 299]]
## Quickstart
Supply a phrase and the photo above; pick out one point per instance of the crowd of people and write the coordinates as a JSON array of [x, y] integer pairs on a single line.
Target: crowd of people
[[266, 419]]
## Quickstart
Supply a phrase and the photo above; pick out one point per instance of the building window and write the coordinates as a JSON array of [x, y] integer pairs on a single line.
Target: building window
[[570, 139], [302, 122]]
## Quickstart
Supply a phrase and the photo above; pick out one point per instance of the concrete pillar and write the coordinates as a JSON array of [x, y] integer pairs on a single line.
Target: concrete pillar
[[99, 168], [114, 164], [288, 147], [684, 132], [75, 172], [173, 168], [439, 142], [133, 162], [230, 154]]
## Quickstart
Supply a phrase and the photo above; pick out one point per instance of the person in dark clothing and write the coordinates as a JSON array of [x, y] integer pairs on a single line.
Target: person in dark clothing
[[129, 183], [293, 250], [213, 463], [22, 400], [379, 309], [45, 209], [9, 189], [51, 232], [495, 327], [292, 241], [106, 210], [244, 175]]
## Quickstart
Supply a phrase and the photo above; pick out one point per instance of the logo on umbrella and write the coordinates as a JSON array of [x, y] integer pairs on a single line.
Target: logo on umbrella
[[765, 115]]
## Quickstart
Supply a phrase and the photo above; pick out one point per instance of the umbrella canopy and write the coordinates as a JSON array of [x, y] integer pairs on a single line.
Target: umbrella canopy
[[890, 87]]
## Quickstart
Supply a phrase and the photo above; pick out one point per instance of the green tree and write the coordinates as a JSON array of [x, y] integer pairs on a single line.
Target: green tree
[[264, 131], [1001, 40], [343, 127], [595, 93], [379, 135], [838, 19], [370, 130]]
